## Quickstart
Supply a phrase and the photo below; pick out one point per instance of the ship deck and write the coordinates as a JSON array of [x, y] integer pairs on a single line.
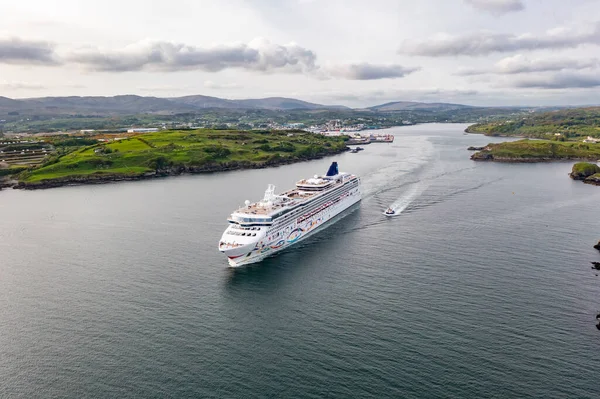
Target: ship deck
[[287, 198]]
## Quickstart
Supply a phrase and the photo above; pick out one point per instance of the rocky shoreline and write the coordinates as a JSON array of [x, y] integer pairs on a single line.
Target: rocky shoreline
[[588, 173], [592, 180], [104, 178]]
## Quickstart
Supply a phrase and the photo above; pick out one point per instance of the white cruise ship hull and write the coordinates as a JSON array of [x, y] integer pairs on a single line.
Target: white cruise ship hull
[[281, 238], [264, 228]]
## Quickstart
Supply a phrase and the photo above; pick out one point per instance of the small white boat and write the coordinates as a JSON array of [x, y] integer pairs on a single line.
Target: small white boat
[[389, 212]]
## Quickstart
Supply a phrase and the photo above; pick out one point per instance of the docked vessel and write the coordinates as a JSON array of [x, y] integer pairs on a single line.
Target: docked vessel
[[381, 138], [276, 222], [358, 140]]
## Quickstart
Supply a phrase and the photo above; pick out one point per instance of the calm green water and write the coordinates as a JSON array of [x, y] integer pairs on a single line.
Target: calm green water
[[481, 287]]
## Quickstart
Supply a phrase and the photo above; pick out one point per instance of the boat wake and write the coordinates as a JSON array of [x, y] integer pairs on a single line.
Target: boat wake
[[443, 196], [411, 194], [399, 172]]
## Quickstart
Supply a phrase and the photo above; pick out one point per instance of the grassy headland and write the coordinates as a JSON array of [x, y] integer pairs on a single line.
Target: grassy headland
[[175, 152], [538, 151], [569, 123]]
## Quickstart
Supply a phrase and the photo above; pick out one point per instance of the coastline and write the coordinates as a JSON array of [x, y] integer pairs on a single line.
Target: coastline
[[105, 178], [498, 135], [491, 158], [536, 151]]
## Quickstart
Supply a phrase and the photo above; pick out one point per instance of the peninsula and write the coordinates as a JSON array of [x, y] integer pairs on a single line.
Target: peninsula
[[538, 151], [565, 124], [563, 135], [139, 156]]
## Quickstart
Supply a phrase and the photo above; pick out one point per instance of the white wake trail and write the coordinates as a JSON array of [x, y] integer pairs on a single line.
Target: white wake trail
[[408, 197]]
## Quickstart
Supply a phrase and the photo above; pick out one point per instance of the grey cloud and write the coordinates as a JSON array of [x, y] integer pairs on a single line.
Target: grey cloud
[[258, 55], [484, 43], [497, 6], [559, 81], [366, 71], [519, 64], [27, 52]]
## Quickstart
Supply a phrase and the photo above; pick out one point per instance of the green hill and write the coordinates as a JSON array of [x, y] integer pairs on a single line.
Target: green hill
[[174, 152], [538, 151], [570, 123]]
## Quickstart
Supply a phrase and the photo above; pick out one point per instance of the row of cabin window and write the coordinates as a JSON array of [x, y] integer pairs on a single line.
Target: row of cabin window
[[289, 216]]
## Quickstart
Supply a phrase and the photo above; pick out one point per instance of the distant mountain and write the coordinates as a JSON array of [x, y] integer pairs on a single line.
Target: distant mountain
[[131, 104], [199, 101], [102, 105], [416, 106], [9, 104], [282, 103], [272, 103]]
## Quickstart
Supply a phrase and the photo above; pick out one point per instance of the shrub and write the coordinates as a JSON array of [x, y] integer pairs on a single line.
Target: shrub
[[72, 142], [171, 147], [12, 171], [284, 147], [100, 162], [217, 151], [158, 163], [309, 152]]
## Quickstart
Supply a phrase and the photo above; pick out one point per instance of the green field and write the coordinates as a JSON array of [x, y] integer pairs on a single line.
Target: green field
[[571, 124], [171, 152], [538, 150]]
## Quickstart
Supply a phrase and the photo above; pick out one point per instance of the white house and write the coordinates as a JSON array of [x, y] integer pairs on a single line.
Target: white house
[[143, 130], [590, 139]]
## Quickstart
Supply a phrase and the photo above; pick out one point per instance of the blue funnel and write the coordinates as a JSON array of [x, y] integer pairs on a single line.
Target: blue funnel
[[333, 169]]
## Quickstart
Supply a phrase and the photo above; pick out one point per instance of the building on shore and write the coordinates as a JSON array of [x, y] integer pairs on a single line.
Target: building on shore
[[143, 130], [591, 139]]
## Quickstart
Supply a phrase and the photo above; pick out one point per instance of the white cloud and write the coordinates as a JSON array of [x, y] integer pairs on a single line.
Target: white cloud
[[497, 6], [7, 85], [175, 46], [519, 63], [485, 43], [258, 55], [209, 84]]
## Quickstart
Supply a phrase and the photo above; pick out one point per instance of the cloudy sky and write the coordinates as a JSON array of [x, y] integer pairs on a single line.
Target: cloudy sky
[[350, 52]]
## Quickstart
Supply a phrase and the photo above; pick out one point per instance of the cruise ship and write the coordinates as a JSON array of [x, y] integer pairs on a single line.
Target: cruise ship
[[276, 222]]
